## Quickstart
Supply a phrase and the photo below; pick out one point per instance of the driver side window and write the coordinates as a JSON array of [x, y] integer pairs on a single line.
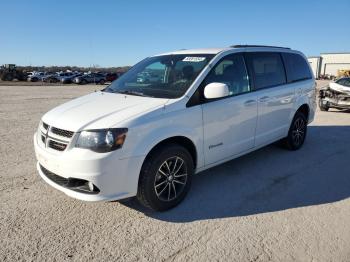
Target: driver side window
[[231, 71]]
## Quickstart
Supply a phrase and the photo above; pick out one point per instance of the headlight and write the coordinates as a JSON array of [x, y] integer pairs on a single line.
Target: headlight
[[102, 141]]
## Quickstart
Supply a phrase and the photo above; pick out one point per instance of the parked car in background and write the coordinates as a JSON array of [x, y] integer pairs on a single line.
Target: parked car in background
[[57, 77], [147, 140], [69, 79], [335, 95], [110, 77], [37, 76], [96, 78]]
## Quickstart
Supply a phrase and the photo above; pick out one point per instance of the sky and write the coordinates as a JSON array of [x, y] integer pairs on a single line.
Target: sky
[[117, 33]]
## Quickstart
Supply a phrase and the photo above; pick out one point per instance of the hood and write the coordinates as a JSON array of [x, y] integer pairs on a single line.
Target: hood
[[99, 110], [339, 88]]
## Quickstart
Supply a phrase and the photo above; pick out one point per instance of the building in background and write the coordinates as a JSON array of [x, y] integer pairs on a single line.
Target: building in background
[[328, 64], [315, 64]]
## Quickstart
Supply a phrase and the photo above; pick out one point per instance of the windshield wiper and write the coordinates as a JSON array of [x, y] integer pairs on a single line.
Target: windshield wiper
[[134, 93]]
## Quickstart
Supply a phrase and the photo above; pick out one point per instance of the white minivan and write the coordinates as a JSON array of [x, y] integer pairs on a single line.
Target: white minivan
[[202, 108]]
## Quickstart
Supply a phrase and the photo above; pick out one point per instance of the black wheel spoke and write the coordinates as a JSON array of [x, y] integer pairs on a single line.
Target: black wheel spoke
[[171, 179], [298, 132]]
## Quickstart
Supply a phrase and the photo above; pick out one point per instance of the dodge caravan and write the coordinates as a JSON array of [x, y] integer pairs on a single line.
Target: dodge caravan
[[148, 138]]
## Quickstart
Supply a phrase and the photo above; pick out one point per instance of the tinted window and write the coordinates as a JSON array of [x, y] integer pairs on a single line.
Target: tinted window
[[296, 67], [230, 70], [267, 69]]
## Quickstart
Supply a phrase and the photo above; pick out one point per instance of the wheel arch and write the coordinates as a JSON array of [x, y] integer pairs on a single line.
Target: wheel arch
[[305, 109], [180, 140]]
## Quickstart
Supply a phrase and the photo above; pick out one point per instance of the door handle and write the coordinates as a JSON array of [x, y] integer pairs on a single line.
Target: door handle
[[264, 99], [249, 102]]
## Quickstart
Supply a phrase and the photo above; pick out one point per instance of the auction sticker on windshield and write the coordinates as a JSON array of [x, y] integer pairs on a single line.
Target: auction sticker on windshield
[[193, 59]]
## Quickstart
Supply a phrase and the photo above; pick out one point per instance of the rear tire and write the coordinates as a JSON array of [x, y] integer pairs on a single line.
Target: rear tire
[[102, 82], [322, 106], [165, 177], [297, 132]]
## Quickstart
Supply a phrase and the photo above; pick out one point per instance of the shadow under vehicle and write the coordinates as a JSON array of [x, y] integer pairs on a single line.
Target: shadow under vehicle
[[268, 180]]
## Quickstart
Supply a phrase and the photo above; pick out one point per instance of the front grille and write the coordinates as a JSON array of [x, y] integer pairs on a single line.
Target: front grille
[[57, 145], [75, 184], [45, 126], [61, 132], [55, 138]]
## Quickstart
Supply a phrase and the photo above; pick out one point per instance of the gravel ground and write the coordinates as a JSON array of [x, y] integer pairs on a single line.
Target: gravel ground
[[270, 205]]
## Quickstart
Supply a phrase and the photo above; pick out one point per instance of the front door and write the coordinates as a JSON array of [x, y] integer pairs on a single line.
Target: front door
[[229, 123]]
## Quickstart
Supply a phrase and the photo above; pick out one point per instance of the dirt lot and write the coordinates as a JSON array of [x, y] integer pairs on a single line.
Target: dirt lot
[[271, 205]]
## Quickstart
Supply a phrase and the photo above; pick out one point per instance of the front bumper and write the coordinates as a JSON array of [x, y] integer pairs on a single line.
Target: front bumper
[[336, 103], [114, 176]]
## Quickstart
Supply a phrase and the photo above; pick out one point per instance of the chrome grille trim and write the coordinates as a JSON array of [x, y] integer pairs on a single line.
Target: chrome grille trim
[[45, 126], [56, 145], [61, 132], [55, 138]]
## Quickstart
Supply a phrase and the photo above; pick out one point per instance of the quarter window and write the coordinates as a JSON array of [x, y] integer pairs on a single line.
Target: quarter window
[[267, 69], [296, 67]]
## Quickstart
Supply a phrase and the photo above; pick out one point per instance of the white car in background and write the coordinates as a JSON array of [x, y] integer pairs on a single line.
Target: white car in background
[[37, 76], [148, 139], [335, 95]]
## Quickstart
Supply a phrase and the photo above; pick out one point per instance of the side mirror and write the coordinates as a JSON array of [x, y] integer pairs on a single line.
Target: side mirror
[[216, 90]]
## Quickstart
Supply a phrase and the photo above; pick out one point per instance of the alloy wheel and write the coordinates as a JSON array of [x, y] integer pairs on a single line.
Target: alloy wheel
[[298, 132], [171, 178]]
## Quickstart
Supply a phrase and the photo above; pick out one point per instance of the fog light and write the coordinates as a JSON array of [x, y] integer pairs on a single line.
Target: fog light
[[91, 186]]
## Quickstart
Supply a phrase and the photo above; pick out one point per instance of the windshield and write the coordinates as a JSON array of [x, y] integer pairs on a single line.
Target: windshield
[[167, 76], [344, 81]]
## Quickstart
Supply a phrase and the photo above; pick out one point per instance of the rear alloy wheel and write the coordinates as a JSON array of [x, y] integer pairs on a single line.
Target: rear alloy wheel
[[165, 177], [297, 132]]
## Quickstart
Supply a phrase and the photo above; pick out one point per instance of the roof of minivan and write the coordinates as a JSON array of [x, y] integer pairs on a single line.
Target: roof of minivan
[[197, 51], [218, 50]]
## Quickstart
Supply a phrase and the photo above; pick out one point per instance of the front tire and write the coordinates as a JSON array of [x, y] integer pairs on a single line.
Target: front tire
[[323, 107], [165, 177], [297, 132]]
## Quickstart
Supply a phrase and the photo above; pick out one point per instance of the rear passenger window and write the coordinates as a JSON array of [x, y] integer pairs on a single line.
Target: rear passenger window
[[267, 69], [296, 66]]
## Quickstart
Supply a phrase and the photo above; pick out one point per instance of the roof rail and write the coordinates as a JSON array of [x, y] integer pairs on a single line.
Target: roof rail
[[242, 46]]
